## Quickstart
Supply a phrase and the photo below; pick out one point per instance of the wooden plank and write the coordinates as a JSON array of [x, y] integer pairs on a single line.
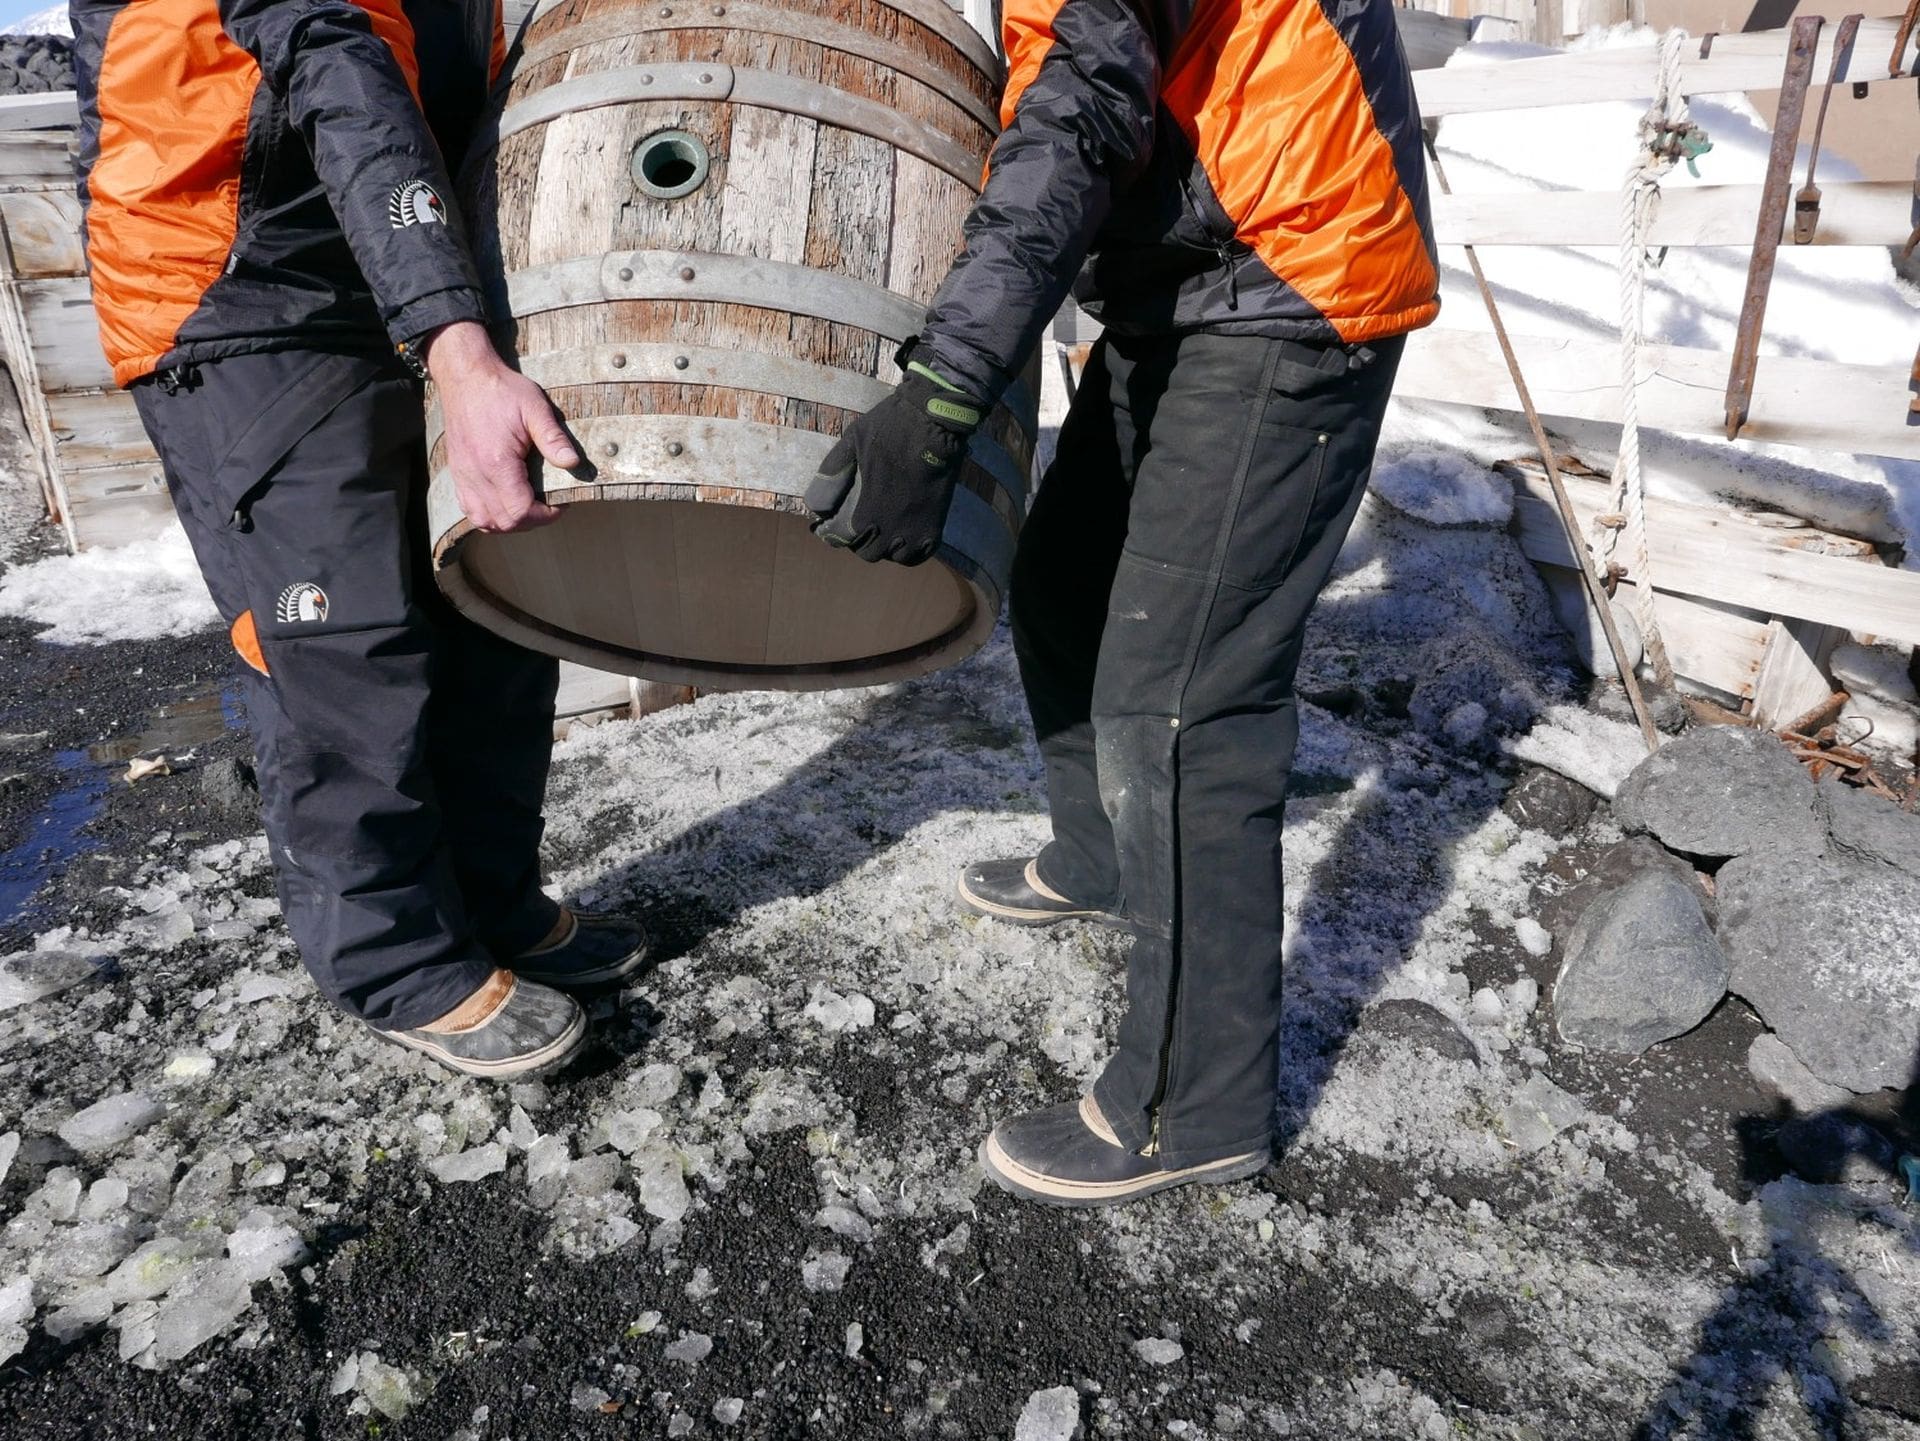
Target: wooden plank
[[65, 334], [96, 428], [1718, 557], [43, 233], [1851, 213], [1737, 62], [39, 112], [1820, 404], [584, 691], [39, 159], [1793, 676], [115, 505]]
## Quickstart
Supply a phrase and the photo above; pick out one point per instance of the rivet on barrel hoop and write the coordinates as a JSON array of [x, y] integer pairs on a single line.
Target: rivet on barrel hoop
[[626, 272], [619, 362], [674, 447], [686, 272], [670, 164], [680, 362], [610, 449]]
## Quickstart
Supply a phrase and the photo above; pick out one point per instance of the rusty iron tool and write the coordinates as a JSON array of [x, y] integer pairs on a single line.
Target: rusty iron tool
[[1806, 205], [1801, 43], [1901, 38], [1582, 559]]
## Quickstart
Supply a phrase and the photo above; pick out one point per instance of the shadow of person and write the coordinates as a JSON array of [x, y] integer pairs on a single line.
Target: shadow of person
[[1788, 1317]]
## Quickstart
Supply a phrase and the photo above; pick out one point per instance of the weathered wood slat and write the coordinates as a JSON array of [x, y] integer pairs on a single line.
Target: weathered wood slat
[[1718, 557], [1736, 62], [1819, 404], [1851, 213], [39, 112], [97, 428], [65, 334]]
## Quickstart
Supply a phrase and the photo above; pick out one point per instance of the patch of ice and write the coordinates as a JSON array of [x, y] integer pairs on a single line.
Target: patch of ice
[[1443, 488], [1539, 1111], [1050, 1415], [690, 1349], [1158, 1351], [825, 1270], [1582, 746], [473, 1165], [111, 1122]]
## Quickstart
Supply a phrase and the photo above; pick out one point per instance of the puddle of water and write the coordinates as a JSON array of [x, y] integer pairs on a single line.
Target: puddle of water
[[56, 837], [197, 721]]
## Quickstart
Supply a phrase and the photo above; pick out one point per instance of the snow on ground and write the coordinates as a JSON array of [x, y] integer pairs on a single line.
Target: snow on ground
[[141, 591], [1827, 302]]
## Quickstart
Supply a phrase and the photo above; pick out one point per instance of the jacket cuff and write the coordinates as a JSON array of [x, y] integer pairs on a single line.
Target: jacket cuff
[[980, 376], [443, 307]]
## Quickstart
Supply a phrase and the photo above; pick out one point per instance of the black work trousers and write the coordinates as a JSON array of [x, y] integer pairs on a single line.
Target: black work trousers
[[1202, 488], [402, 751]]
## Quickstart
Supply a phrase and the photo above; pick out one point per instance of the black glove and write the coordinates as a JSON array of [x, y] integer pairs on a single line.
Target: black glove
[[884, 488]]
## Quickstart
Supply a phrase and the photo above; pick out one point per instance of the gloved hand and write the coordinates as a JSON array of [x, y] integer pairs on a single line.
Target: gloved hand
[[884, 488]]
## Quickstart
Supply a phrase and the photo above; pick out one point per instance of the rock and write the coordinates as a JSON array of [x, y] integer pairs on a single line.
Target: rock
[[1538, 1112], [1401, 1021], [1574, 611], [1871, 825], [1544, 800], [1831, 1149], [1050, 1415], [1641, 967], [111, 1122], [1776, 1069], [230, 785], [1158, 1351], [1722, 791], [472, 1165], [1822, 947], [1614, 867]]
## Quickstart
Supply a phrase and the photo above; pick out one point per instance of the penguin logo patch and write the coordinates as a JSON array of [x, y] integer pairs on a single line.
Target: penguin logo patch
[[416, 203], [301, 604]]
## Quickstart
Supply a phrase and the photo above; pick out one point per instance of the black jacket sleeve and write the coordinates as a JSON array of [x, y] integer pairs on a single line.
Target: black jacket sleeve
[[341, 69], [1085, 82]]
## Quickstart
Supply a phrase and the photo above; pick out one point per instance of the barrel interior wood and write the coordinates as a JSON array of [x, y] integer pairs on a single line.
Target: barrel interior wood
[[715, 580], [709, 594]]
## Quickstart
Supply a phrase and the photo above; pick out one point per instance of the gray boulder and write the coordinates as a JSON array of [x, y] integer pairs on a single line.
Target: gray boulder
[[1871, 825], [1836, 1149], [1824, 948], [230, 785], [1545, 801], [1774, 1067], [1616, 865], [1641, 967], [1404, 1022], [1722, 791]]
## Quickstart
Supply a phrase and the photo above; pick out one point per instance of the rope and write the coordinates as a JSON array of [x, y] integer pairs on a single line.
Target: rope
[[1667, 135]]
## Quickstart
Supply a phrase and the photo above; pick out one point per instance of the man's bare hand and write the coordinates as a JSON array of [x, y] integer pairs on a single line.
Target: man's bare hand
[[495, 419]]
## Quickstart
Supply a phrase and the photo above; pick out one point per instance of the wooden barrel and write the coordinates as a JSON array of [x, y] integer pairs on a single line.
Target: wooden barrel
[[712, 224]]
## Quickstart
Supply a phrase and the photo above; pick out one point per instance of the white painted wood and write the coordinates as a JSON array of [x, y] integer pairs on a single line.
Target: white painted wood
[[1851, 213], [39, 112], [1736, 62], [1818, 404], [1716, 556]]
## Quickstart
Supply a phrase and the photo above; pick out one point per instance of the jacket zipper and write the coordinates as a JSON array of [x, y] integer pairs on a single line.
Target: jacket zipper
[[1222, 248]]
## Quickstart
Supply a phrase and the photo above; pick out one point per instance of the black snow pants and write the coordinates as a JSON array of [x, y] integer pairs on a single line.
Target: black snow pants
[[402, 751], [1202, 488]]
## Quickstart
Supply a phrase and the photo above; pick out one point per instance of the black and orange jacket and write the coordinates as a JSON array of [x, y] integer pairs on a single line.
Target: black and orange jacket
[[1237, 166], [272, 174]]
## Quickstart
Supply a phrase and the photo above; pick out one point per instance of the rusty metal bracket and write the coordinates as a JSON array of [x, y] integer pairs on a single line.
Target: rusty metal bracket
[[1901, 38], [1802, 41], [1806, 205]]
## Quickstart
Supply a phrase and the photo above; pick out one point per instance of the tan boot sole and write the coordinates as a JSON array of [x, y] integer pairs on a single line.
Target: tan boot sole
[[1031, 1185], [549, 1057], [1023, 915]]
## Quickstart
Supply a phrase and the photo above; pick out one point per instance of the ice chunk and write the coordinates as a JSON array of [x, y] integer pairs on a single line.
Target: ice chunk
[[1539, 1112], [844, 1221], [587, 1397], [834, 1012], [1158, 1351], [189, 1066], [346, 1377], [110, 1122], [679, 1424], [825, 1270], [151, 1270], [593, 1175], [655, 1084], [200, 1308], [702, 1285], [626, 1131], [727, 1410], [263, 988], [106, 1198], [547, 1163], [388, 1389], [1536, 938], [273, 1173], [856, 1339], [89, 1249], [80, 1311], [58, 1196], [692, 1348], [16, 1302], [1050, 1415], [262, 1246], [9, 1148], [521, 1131], [663, 1187], [1523, 995], [463, 1166], [29, 976]]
